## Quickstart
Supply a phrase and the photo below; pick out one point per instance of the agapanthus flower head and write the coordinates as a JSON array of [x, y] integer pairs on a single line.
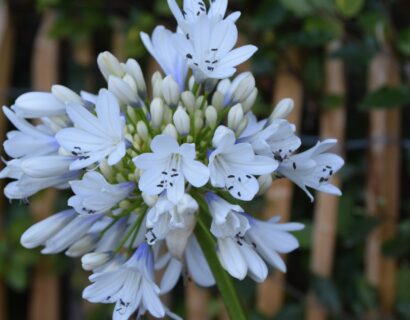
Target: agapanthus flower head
[[157, 180]]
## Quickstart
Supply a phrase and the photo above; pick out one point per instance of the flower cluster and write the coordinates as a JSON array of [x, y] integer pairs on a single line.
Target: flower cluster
[[146, 171]]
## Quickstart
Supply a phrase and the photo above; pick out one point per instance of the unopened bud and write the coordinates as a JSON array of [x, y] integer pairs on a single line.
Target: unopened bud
[[170, 130], [109, 65], [106, 169], [65, 95], [181, 121], [235, 117], [244, 88], [157, 112], [133, 68], [211, 116], [142, 130], [122, 90], [188, 100], [282, 109], [218, 100], [264, 181], [242, 126], [149, 200], [199, 123], [250, 101], [82, 246], [94, 260], [170, 91]]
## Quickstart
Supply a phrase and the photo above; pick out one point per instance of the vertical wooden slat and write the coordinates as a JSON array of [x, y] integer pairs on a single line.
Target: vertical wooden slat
[[196, 302], [383, 179], [332, 125], [44, 304], [6, 62], [270, 295]]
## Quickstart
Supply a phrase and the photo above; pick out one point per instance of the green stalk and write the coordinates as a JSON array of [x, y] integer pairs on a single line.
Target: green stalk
[[223, 280]]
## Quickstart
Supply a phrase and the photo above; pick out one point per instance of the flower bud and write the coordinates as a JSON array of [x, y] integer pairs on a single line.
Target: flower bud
[[264, 181], [109, 65], [181, 121], [188, 100], [156, 84], [157, 112], [244, 89], [199, 123], [211, 117], [122, 90], [133, 68], [191, 82], [106, 169], [170, 130], [40, 232], [282, 109], [248, 103], [170, 91], [235, 116], [199, 102], [37, 105], [142, 130], [242, 126], [218, 100], [149, 200], [84, 245], [94, 260], [65, 95]]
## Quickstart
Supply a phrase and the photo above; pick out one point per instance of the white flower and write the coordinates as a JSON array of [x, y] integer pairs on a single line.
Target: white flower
[[229, 225], [28, 140], [168, 166], [93, 194], [160, 46], [237, 90], [232, 165], [166, 215], [271, 238], [313, 168], [131, 287], [277, 139], [94, 137], [209, 49], [193, 9]]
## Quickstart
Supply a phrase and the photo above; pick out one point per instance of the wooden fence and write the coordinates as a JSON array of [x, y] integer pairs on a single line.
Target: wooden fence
[[383, 179]]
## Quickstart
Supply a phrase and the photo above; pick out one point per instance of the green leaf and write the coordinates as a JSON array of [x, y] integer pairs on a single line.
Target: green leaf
[[403, 292], [386, 97], [327, 293], [223, 280], [403, 41], [349, 8], [298, 7]]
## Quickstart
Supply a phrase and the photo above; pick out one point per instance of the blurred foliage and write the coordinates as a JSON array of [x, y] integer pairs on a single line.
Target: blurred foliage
[[275, 26]]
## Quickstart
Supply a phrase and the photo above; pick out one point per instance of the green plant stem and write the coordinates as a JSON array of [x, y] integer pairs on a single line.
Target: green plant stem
[[223, 280]]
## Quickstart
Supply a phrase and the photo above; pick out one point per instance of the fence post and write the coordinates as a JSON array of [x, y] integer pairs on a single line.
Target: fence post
[[332, 125], [44, 304], [6, 63], [383, 190], [271, 294]]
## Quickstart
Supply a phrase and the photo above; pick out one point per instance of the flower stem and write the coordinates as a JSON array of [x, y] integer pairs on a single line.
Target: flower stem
[[223, 280]]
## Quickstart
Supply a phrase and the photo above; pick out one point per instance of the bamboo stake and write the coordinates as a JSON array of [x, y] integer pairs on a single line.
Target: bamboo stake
[[332, 125], [383, 190], [196, 302], [45, 287], [270, 294], [6, 62]]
